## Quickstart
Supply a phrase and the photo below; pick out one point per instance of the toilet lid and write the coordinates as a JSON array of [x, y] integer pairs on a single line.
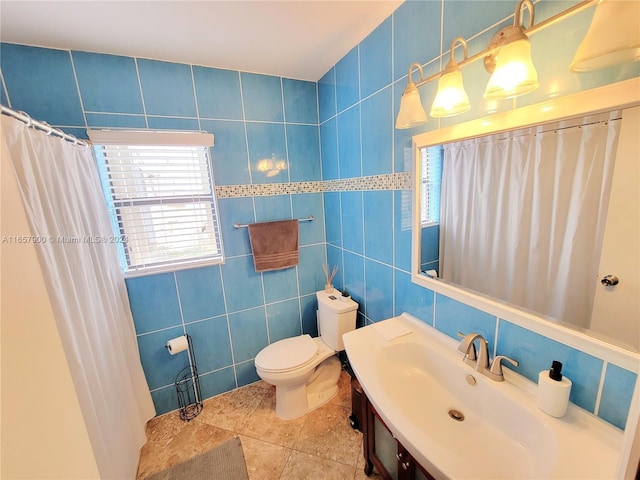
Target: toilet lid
[[287, 354]]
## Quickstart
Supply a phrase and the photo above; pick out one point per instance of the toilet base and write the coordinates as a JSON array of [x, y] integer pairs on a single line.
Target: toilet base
[[293, 401], [325, 387]]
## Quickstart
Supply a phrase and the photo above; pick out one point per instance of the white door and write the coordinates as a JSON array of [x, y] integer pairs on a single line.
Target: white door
[[616, 309]]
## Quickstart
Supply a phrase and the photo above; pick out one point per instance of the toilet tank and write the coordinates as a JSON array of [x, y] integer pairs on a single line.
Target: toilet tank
[[336, 316]]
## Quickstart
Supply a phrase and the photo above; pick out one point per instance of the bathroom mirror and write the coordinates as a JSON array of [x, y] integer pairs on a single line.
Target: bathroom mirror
[[614, 322]]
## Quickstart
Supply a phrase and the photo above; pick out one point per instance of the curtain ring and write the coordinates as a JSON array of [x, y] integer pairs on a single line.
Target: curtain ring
[[57, 131], [28, 120], [48, 129]]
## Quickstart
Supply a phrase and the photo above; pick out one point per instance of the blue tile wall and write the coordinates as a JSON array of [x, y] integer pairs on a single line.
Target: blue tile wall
[[41, 81], [535, 354], [300, 101], [327, 95], [338, 128], [352, 221], [108, 83], [349, 143], [369, 233], [262, 96], [218, 93], [329, 149], [159, 78], [377, 133], [347, 81], [229, 310], [402, 221], [616, 395], [303, 149], [375, 59], [430, 254]]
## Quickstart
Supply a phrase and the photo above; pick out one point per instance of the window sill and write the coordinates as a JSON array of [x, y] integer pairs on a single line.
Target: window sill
[[174, 267]]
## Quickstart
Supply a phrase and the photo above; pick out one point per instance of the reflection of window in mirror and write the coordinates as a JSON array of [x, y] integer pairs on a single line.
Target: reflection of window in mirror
[[431, 177], [431, 159]]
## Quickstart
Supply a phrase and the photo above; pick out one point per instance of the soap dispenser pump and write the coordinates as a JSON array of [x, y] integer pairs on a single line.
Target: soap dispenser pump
[[553, 390]]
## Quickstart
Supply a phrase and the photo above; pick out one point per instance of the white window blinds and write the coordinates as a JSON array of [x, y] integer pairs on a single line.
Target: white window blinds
[[161, 199]]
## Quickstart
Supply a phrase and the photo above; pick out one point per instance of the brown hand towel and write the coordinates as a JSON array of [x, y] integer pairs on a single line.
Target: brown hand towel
[[274, 244]]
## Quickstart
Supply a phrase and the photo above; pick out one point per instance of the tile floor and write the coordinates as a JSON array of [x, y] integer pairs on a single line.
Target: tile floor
[[321, 445]]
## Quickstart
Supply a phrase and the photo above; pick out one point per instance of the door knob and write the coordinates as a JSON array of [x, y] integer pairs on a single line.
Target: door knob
[[610, 280]]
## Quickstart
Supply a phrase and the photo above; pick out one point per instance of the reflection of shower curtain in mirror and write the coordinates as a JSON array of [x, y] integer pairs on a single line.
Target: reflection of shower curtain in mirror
[[523, 214]]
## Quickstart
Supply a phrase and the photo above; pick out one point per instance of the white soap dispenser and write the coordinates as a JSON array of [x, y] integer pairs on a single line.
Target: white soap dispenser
[[553, 390]]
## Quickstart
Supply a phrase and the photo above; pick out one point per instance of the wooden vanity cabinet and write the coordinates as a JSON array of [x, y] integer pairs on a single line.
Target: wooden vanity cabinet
[[382, 451]]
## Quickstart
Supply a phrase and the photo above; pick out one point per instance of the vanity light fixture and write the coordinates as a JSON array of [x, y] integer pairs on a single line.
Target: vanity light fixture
[[613, 37], [509, 62], [411, 111], [451, 98]]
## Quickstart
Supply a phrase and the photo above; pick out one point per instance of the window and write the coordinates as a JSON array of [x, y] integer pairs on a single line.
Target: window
[[431, 180], [160, 197]]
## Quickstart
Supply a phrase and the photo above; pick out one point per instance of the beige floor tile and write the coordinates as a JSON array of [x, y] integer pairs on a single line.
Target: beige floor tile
[[328, 434], [160, 430], [320, 445], [265, 461], [264, 424], [302, 466], [231, 410]]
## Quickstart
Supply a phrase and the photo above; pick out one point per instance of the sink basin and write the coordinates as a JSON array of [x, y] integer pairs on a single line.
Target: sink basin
[[415, 380]]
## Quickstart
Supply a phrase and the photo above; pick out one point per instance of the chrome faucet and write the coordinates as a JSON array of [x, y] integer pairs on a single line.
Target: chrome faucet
[[479, 359]]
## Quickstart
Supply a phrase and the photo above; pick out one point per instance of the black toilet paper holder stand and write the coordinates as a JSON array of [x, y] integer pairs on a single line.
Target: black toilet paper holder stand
[[188, 387]]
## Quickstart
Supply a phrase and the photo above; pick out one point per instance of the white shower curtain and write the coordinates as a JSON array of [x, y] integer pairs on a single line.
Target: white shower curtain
[[523, 214], [61, 193]]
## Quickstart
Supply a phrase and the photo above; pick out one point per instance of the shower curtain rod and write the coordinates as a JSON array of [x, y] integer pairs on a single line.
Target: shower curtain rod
[[43, 126]]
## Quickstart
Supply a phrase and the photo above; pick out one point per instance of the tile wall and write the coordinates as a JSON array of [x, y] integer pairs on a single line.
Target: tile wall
[[369, 232], [347, 166], [230, 311]]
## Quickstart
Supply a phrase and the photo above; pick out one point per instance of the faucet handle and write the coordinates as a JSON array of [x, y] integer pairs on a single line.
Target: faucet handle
[[495, 372]]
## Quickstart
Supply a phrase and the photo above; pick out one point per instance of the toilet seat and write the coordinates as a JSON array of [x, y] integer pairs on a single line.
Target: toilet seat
[[287, 354]]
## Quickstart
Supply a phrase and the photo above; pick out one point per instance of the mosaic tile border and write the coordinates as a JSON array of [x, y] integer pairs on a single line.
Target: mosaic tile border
[[390, 181]]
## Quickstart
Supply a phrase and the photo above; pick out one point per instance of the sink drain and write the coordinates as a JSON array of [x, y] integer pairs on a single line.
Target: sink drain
[[456, 415]]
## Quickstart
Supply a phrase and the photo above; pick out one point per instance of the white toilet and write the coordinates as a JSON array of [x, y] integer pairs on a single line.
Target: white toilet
[[305, 370]]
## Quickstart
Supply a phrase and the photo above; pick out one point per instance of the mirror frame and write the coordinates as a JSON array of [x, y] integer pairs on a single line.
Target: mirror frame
[[620, 95], [614, 96]]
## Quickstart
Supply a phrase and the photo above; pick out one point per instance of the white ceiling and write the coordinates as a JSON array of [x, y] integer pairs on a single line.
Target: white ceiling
[[294, 39]]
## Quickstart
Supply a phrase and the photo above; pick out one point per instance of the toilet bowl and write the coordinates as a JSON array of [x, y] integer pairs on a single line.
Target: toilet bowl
[[305, 370]]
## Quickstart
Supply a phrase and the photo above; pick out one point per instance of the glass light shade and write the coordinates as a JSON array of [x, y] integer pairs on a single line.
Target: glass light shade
[[613, 37], [411, 111], [514, 74], [451, 98]]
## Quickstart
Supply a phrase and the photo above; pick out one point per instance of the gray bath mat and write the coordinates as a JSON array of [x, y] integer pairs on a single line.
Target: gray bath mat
[[225, 462]]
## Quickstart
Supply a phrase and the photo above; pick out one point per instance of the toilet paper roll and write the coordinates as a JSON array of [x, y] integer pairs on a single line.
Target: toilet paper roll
[[177, 345]]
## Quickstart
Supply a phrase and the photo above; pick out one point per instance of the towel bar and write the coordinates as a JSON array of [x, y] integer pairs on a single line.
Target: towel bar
[[310, 218]]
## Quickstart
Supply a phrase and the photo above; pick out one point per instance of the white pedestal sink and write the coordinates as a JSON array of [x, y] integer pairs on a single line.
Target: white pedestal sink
[[417, 378]]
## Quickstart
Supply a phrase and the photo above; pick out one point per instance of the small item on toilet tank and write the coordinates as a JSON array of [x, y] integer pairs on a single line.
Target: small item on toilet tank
[[553, 390], [345, 295]]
